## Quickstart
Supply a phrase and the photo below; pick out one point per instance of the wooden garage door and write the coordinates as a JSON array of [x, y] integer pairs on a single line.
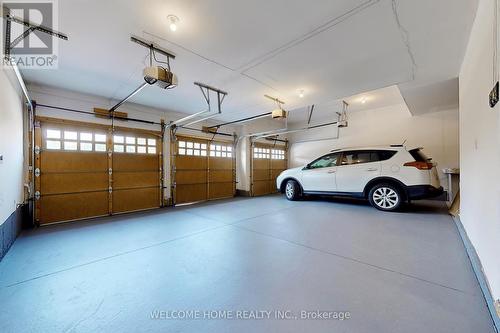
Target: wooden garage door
[[137, 168], [76, 178], [221, 170], [202, 169], [268, 161]]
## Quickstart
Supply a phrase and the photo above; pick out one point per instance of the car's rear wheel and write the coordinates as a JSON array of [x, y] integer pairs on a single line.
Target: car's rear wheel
[[292, 190], [385, 197]]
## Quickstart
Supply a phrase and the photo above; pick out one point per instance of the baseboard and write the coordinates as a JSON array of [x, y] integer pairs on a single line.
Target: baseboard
[[493, 306], [11, 228], [243, 193]]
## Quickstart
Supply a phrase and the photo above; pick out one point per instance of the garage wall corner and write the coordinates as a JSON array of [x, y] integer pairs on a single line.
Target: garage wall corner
[[11, 159], [480, 147]]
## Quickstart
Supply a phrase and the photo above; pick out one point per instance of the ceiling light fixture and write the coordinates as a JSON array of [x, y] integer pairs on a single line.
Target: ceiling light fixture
[[363, 100], [301, 93], [173, 22]]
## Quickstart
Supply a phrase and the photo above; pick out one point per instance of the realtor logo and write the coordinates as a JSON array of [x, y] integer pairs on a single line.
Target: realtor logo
[[30, 38]]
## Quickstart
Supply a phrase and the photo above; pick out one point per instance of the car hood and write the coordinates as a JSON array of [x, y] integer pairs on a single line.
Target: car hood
[[293, 170]]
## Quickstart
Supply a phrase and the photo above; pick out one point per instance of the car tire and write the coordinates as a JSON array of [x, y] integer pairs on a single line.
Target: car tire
[[292, 190], [386, 197]]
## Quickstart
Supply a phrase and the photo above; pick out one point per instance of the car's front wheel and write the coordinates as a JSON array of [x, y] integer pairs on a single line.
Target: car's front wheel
[[386, 197], [292, 190]]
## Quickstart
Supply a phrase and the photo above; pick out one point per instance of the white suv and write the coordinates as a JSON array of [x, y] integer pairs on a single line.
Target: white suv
[[386, 176]]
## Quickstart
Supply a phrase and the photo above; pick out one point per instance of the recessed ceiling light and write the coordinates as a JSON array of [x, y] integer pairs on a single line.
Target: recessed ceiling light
[[301, 93], [173, 20], [363, 100]]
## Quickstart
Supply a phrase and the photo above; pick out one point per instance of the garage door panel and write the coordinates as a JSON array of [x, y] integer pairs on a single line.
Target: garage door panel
[[260, 175], [190, 162], [272, 186], [268, 161], [190, 177], [261, 187], [261, 164], [67, 207], [190, 193], [135, 162], [53, 183], [221, 190], [135, 199], [52, 161], [135, 179], [220, 176], [275, 173], [83, 173], [221, 163], [203, 169], [278, 164]]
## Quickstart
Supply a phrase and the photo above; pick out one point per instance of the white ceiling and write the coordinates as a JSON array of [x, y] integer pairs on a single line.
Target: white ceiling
[[371, 100], [330, 49]]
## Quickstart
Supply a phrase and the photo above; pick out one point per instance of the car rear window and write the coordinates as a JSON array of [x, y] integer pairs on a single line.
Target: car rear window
[[383, 155], [419, 155]]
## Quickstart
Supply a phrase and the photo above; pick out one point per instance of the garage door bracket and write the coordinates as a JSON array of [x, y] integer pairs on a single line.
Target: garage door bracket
[[208, 114]]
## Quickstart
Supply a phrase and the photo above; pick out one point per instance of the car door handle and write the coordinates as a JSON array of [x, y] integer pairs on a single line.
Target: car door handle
[[372, 169], [332, 171]]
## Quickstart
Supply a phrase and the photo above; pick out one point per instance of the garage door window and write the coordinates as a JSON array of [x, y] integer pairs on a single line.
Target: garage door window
[[68, 140], [261, 153], [190, 148], [132, 145], [221, 150], [277, 154]]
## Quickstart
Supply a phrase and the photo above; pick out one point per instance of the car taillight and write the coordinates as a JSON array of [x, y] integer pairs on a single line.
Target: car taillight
[[420, 165]]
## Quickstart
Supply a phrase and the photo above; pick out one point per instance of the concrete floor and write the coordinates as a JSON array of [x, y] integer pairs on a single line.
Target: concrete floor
[[394, 272]]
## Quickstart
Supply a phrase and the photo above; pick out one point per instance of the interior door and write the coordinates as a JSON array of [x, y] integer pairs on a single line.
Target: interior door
[[320, 175], [356, 169]]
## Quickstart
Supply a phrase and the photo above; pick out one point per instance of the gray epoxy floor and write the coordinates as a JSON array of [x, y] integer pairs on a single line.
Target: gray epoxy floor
[[393, 272]]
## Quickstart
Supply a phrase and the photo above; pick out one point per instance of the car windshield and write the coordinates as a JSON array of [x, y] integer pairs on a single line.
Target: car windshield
[[324, 162]]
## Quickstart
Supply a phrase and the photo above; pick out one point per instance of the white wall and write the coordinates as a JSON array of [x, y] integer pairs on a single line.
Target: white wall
[[436, 132], [480, 147], [11, 144]]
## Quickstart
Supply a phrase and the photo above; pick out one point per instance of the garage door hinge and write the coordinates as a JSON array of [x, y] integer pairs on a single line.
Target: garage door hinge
[[37, 172], [110, 171], [37, 150], [37, 195], [110, 189]]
